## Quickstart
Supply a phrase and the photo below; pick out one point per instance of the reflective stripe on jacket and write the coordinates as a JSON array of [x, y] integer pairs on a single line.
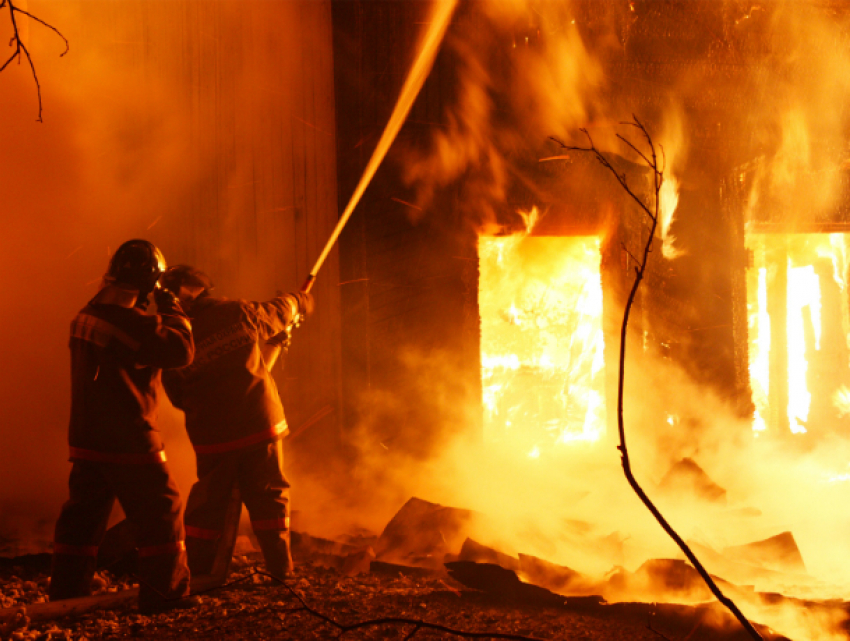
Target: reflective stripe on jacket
[[130, 458], [229, 398]]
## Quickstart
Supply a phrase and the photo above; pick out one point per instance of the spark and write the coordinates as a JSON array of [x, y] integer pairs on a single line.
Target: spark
[[404, 202], [310, 124]]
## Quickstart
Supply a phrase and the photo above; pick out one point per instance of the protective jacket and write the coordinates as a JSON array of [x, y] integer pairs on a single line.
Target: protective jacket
[[230, 400], [116, 358], [116, 355]]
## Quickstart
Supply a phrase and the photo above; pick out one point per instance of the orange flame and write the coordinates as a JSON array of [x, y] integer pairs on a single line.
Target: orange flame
[[669, 201], [785, 279], [540, 300]]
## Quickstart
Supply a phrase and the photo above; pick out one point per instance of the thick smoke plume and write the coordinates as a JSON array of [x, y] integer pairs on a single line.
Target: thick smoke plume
[[787, 139], [109, 164], [799, 117]]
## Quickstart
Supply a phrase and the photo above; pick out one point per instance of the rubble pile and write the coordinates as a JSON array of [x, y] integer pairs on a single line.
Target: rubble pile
[[420, 569], [258, 608]]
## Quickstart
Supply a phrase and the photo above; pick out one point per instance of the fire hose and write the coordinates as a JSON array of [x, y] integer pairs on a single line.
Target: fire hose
[[442, 13]]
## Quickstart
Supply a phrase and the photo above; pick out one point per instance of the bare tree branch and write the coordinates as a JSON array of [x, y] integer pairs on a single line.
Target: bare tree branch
[[631, 255], [407, 637], [48, 25], [417, 623], [432, 626], [651, 161], [345, 629], [621, 178], [635, 149], [21, 48]]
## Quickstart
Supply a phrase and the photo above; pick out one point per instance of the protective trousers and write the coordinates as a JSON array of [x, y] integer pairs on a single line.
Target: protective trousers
[[257, 472], [151, 501]]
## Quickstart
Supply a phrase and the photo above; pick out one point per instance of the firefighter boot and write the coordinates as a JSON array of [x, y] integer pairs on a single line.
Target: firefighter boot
[[71, 576], [275, 547], [163, 576]]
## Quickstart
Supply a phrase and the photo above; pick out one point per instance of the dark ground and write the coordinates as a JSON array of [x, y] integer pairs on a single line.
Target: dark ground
[[258, 608]]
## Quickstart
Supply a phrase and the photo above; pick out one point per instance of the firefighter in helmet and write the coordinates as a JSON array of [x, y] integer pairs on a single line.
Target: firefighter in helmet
[[117, 354], [234, 416]]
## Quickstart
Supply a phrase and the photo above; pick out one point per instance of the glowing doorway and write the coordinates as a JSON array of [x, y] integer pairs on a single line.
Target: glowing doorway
[[798, 329], [542, 363]]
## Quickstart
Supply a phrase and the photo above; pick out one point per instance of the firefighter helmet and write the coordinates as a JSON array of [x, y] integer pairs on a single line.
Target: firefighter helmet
[[178, 276], [137, 263]]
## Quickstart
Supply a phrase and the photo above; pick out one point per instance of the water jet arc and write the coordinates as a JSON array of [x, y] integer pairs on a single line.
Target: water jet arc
[[440, 18]]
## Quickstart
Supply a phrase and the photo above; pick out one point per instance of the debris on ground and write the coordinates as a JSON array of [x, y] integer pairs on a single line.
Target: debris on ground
[[423, 570]]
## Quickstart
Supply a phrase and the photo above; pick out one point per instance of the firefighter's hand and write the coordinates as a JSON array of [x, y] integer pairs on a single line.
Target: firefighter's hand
[[165, 299], [305, 303], [280, 340]]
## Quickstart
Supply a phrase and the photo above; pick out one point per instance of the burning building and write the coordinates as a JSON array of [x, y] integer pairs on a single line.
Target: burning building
[[467, 338], [464, 316]]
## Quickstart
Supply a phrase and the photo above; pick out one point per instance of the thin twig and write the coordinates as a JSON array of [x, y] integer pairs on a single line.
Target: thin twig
[[635, 149], [631, 255], [434, 626], [417, 623], [412, 632], [345, 629], [49, 26], [651, 161], [20, 47], [621, 178], [654, 631]]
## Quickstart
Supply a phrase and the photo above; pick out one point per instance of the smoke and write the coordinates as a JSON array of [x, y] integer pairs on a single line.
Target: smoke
[[572, 506], [100, 169], [521, 76], [110, 163], [146, 135], [466, 144], [798, 117], [787, 141]]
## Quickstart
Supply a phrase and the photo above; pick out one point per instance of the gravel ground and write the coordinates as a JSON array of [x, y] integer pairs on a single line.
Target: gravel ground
[[307, 607], [258, 608]]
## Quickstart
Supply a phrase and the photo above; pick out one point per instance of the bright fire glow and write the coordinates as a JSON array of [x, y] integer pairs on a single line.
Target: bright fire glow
[[801, 363], [540, 300], [841, 400], [803, 297], [668, 200]]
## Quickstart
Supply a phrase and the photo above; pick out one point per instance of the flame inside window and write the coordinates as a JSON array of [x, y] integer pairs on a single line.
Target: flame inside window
[[542, 363], [799, 330]]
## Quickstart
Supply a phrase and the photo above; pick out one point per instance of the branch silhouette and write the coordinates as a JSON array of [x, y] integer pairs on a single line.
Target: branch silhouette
[[21, 48], [652, 162], [344, 629]]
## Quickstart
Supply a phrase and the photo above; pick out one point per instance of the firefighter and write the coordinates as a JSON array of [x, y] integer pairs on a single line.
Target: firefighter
[[234, 417], [117, 353]]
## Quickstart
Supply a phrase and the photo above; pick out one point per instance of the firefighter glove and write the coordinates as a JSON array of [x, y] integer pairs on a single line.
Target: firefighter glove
[[281, 340], [165, 299], [305, 303]]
